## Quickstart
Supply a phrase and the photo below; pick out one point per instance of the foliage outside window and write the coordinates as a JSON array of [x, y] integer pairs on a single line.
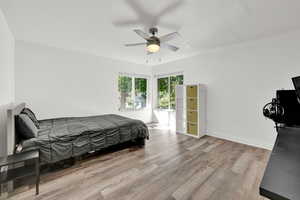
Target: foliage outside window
[[133, 92], [140, 93], [166, 91]]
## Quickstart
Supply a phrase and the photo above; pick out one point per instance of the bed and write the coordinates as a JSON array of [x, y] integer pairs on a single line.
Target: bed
[[62, 138]]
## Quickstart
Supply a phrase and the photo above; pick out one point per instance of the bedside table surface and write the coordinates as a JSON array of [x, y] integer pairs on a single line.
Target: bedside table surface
[[20, 157], [281, 179]]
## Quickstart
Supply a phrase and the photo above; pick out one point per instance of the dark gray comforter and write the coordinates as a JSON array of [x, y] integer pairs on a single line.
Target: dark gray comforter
[[64, 138]]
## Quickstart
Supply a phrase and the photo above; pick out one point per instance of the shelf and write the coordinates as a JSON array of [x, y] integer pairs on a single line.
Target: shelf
[[193, 96], [192, 122], [19, 172]]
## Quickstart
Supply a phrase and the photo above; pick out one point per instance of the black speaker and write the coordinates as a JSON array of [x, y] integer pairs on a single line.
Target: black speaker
[[288, 100], [296, 81]]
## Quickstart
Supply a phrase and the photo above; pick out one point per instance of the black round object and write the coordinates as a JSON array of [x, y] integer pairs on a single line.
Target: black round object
[[274, 111]]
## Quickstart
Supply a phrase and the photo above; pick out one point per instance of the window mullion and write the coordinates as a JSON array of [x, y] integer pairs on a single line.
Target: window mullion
[[157, 94], [169, 88]]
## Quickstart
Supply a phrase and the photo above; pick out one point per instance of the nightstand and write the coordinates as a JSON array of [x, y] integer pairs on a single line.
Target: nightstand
[[27, 170]]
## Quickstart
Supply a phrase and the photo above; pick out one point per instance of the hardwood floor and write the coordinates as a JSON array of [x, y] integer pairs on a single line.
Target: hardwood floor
[[169, 167]]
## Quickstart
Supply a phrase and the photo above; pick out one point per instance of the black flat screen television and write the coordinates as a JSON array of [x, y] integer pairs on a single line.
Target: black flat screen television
[[296, 81]]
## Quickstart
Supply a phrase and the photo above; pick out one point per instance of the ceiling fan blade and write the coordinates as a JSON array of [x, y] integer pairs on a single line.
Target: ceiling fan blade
[[170, 47], [168, 37], [135, 44], [142, 34], [140, 10], [170, 8]]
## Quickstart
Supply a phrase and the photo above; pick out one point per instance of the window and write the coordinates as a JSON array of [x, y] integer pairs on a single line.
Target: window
[[166, 91], [133, 92], [140, 86]]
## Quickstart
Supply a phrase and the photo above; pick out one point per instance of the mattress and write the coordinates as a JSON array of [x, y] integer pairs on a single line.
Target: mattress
[[63, 138]]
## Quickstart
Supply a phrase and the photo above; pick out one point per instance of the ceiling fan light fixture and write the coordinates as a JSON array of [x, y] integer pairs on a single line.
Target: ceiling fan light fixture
[[153, 42], [153, 48]]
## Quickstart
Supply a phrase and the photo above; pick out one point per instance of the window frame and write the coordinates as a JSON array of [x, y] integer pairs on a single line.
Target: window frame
[[169, 89], [133, 77]]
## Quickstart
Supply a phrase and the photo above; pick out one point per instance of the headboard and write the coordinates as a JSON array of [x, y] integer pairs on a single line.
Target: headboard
[[12, 111]]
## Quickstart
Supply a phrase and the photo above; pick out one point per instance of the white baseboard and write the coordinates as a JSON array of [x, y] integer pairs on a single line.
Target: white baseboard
[[242, 141]]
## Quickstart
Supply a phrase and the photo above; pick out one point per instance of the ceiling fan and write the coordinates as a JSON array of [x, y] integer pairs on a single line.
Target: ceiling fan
[[154, 43]]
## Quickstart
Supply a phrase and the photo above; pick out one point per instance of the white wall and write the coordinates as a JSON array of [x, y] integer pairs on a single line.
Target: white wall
[[6, 77], [56, 82], [240, 80]]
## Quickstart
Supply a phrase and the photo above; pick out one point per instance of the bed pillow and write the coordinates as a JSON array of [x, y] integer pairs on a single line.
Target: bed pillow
[[32, 116], [25, 127]]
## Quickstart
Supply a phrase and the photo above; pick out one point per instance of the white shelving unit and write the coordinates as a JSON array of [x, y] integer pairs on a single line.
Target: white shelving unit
[[191, 110]]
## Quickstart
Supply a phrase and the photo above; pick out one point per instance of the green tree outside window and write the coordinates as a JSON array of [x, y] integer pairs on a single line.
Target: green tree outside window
[[133, 92], [166, 91]]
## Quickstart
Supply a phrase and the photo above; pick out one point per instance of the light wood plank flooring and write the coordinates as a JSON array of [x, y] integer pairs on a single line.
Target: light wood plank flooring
[[169, 167]]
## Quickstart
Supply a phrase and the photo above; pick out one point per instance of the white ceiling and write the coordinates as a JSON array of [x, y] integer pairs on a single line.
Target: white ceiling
[[92, 25]]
